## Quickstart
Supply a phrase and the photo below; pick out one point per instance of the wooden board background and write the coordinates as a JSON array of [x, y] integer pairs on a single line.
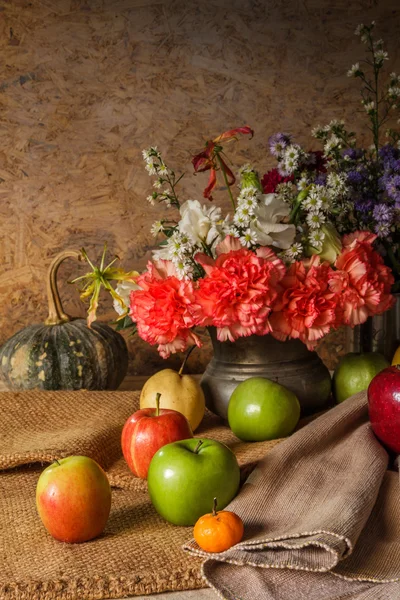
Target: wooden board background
[[85, 85]]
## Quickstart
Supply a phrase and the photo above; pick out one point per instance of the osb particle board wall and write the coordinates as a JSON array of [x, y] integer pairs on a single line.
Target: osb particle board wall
[[87, 84]]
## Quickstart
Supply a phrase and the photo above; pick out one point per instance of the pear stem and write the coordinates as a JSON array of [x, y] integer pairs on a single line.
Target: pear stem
[[199, 443], [188, 353], [214, 510], [158, 396]]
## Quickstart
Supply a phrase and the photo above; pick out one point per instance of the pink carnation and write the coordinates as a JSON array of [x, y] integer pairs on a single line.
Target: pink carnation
[[307, 307], [238, 290], [163, 309], [362, 280]]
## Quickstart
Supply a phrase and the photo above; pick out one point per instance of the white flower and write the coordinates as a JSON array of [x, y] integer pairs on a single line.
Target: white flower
[[302, 183], [151, 200], [332, 143], [293, 252], [146, 154], [394, 91], [316, 238], [201, 224], [315, 219], [354, 69], [157, 228], [184, 270], [248, 239], [312, 201], [267, 226], [158, 184], [124, 289], [369, 106], [162, 169], [381, 55], [359, 29], [243, 215], [150, 168], [336, 183], [326, 200]]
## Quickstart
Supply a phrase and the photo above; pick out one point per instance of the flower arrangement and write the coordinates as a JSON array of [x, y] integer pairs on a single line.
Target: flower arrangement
[[310, 246]]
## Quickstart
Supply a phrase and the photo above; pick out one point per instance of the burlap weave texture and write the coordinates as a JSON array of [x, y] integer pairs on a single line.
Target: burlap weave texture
[[138, 553], [322, 518]]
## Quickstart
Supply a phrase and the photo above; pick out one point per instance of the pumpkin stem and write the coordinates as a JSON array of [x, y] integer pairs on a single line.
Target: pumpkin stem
[[214, 510], [158, 396], [188, 353], [199, 443], [56, 313]]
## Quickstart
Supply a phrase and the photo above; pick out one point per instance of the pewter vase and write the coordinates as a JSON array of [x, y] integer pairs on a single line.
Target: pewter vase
[[380, 333], [288, 363]]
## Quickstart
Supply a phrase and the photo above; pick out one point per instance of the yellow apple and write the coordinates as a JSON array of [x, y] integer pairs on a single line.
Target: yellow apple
[[178, 392]]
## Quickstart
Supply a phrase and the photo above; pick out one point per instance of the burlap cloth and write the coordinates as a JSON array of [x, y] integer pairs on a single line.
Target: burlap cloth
[[138, 553], [322, 518]]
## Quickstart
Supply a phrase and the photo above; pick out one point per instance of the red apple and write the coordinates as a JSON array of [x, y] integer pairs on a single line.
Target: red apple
[[384, 407], [73, 499], [147, 430]]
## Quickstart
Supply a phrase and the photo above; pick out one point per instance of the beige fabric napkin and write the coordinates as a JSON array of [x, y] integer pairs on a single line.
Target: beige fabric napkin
[[322, 518]]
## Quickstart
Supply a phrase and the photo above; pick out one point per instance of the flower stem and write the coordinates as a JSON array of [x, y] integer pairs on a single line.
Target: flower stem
[[226, 182]]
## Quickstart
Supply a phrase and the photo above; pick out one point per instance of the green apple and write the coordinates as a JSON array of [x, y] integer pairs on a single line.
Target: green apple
[[355, 372], [184, 477], [260, 409]]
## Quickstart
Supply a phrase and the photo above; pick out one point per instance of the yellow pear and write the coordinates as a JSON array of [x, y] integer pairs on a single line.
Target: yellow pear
[[179, 392]]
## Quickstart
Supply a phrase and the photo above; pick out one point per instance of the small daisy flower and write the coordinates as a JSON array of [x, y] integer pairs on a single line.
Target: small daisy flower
[[151, 200], [293, 252], [316, 238], [162, 169], [157, 228], [326, 201], [315, 219], [313, 201], [354, 71], [184, 269], [150, 168], [242, 216], [158, 183], [247, 239], [380, 56]]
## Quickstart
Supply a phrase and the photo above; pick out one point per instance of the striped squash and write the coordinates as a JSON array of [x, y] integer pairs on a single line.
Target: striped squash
[[63, 353]]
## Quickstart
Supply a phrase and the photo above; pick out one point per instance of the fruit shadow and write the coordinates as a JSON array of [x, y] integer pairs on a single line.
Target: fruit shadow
[[129, 518]]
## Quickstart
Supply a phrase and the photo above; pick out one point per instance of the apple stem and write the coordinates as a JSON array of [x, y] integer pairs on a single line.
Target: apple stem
[[56, 461], [199, 443], [158, 396], [188, 353], [214, 511]]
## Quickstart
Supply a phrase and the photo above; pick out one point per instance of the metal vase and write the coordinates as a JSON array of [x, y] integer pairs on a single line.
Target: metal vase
[[288, 363], [380, 333]]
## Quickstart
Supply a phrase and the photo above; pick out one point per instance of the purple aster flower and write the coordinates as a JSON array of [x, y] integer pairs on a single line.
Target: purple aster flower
[[387, 152], [278, 142], [364, 205], [352, 153], [382, 230], [383, 214], [355, 177], [393, 188], [320, 179]]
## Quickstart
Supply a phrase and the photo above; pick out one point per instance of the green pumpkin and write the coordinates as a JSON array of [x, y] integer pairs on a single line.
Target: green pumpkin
[[63, 353]]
